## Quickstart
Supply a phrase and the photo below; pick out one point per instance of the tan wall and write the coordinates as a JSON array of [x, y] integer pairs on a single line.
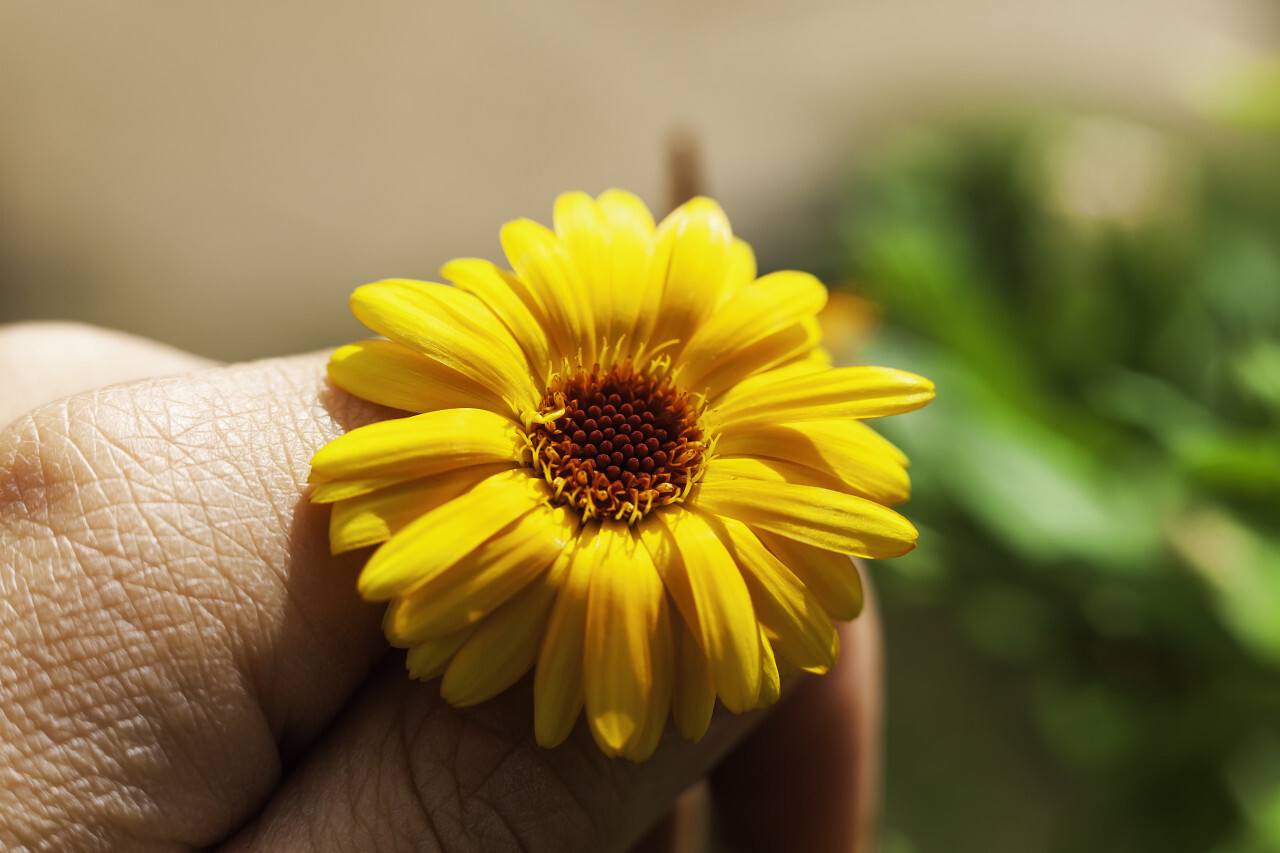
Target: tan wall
[[221, 175]]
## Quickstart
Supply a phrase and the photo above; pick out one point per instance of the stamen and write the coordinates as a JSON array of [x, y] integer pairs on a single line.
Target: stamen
[[618, 442]]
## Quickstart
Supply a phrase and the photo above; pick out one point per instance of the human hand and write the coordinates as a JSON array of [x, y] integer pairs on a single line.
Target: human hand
[[183, 664]]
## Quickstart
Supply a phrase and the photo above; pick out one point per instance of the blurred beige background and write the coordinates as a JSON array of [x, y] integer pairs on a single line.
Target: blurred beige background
[[220, 175]]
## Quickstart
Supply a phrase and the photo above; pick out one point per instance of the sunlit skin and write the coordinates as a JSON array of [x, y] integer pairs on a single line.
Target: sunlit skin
[[187, 667]]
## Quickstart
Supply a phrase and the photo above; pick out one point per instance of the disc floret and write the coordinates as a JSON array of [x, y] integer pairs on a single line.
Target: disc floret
[[617, 443]]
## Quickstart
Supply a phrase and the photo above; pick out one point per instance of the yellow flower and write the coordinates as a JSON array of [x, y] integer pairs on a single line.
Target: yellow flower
[[631, 468]]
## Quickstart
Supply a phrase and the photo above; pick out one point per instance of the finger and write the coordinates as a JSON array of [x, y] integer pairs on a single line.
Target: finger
[[173, 627], [808, 778], [404, 771], [683, 829], [42, 362]]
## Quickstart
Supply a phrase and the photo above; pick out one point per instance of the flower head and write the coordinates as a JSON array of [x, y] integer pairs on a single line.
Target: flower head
[[630, 467]]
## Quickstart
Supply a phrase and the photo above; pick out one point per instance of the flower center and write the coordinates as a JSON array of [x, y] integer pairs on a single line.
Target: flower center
[[615, 443]]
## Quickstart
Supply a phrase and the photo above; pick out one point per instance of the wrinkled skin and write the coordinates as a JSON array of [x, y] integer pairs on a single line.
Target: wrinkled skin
[[184, 666]]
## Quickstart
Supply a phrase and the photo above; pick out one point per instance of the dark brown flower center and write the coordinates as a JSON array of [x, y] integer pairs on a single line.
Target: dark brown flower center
[[615, 443]]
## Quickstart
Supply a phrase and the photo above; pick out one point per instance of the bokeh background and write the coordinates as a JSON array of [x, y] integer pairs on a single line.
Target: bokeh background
[[1068, 215]]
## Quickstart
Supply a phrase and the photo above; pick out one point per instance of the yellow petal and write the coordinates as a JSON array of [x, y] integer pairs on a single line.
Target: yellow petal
[[630, 294], [842, 392], [541, 262], [832, 578], [708, 589], [819, 517], [726, 468], [503, 647], [694, 695], [793, 369], [391, 374], [771, 681], [501, 292], [740, 272], [782, 347], [453, 328], [557, 679], [662, 659], [622, 615], [446, 534], [455, 596], [693, 248], [340, 490], [429, 660], [759, 310], [421, 445], [784, 605], [374, 517], [583, 229], [857, 456]]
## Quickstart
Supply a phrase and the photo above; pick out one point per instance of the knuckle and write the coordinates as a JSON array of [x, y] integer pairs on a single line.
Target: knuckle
[[108, 612]]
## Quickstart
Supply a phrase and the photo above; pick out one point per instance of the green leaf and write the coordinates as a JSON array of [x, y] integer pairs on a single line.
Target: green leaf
[[1242, 570]]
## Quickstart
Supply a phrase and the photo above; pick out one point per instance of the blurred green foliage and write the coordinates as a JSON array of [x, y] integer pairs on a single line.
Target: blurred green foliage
[[1084, 652]]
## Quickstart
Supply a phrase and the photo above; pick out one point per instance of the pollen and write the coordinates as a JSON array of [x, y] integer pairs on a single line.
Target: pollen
[[617, 443]]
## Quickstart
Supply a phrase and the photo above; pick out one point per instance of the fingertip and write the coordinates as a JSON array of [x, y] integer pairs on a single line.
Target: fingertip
[[44, 361], [808, 777]]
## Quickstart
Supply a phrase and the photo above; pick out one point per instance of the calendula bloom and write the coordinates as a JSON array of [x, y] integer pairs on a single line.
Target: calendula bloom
[[630, 467]]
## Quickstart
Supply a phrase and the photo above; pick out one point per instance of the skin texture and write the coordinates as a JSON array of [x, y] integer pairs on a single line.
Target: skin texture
[[184, 666]]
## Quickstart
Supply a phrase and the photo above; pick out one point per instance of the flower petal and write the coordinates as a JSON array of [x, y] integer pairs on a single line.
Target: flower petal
[[455, 596], [740, 272], [630, 293], [692, 256], [500, 291], [505, 645], [341, 490], [818, 517], [867, 464], [446, 534], [770, 680], [541, 262], [796, 618], [759, 310], [694, 695], [831, 577], [662, 660], [791, 370], [421, 444], [582, 228], [622, 615], [558, 679], [782, 347], [390, 374], [451, 327], [707, 587], [375, 517], [842, 392], [726, 468], [429, 660]]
